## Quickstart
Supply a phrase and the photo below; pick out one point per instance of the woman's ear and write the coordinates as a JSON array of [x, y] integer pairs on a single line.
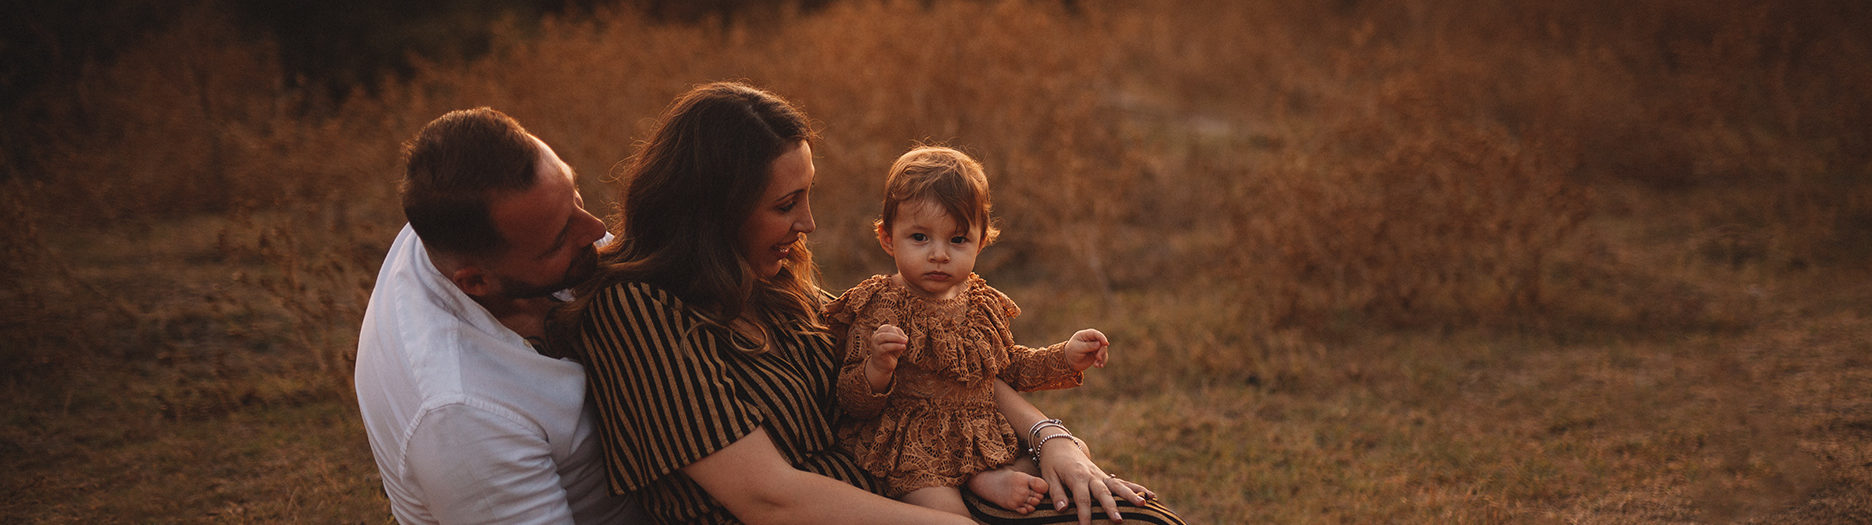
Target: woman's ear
[[884, 239]]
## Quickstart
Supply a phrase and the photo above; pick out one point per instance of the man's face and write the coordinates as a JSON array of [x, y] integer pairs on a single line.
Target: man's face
[[549, 234]]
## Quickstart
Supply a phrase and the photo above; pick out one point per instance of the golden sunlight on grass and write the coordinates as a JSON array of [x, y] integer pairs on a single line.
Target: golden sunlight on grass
[[1361, 261]]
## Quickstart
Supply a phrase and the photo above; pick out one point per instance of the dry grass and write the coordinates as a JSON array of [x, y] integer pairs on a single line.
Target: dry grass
[[1364, 261]]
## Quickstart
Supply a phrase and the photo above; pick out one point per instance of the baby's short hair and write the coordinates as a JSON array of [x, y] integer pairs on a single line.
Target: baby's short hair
[[946, 176]]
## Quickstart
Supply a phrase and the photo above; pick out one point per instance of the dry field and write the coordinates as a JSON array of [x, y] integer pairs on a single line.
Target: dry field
[[1361, 261]]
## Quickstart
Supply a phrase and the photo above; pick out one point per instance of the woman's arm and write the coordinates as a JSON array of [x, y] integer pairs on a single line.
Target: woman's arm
[[752, 480], [1065, 467]]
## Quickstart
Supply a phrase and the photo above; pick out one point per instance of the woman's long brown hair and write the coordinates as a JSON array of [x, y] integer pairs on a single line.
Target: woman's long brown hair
[[688, 191]]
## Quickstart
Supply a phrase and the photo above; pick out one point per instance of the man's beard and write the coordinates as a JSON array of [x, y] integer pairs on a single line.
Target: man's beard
[[582, 267]]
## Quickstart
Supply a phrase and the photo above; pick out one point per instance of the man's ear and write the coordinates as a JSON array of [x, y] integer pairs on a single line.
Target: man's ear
[[884, 239], [472, 280]]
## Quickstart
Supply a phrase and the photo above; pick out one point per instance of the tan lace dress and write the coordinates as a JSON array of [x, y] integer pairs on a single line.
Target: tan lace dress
[[938, 424]]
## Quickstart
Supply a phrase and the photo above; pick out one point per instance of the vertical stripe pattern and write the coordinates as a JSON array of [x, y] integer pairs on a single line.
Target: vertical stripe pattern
[[670, 389], [1151, 512]]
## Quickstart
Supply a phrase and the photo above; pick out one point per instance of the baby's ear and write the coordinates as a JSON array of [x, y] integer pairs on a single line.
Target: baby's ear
[[884, 239]]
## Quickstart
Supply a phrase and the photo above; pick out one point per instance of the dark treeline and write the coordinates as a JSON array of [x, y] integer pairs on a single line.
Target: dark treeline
[[340, 46], [327, 48]]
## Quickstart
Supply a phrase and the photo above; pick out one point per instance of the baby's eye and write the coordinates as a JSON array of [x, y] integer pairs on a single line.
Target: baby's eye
[[918, 237], [959, 239]]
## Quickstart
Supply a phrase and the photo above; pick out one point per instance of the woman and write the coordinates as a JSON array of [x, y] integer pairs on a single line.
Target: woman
[[710, 370]]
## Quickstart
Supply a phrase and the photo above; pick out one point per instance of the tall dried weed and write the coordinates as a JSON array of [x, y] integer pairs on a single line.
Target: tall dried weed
[[1224, 185], [1323, 166]]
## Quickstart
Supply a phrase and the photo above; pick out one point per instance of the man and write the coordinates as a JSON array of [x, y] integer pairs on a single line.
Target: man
[[469, 418]]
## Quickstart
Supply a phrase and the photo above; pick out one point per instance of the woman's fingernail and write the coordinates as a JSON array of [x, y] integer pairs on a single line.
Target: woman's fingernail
[[1059, 505]]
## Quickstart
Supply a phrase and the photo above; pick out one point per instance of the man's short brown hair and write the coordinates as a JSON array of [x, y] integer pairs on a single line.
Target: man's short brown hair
[[456, 164]]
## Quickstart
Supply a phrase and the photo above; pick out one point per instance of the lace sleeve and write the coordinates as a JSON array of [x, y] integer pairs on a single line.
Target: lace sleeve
[[1033, 369]]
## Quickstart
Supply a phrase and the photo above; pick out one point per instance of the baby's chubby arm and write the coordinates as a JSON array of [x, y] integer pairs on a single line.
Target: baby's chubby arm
[[865, 379], [1061, 365]]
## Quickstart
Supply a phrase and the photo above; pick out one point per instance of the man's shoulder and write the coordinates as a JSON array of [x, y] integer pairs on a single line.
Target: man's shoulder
[[419, 322], [461, 412], [425, 357]]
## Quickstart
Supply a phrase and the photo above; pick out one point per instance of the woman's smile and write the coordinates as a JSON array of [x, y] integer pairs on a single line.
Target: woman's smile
[[785, 212]]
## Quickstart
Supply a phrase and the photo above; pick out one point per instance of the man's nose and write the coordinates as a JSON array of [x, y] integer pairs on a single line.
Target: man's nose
[[594, 228]]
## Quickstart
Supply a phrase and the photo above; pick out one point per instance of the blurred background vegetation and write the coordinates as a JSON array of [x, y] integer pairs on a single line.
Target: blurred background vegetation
[[1362, 260]]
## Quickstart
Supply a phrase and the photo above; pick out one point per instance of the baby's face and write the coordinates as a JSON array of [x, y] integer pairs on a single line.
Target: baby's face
[[935, 255]]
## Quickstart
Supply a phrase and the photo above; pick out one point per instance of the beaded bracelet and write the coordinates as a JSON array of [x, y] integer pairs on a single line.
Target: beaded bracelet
[[1043, 424], [1035, 449], [1036, 442]]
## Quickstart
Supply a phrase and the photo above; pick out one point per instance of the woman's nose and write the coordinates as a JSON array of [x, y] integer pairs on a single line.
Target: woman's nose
[[805, 224]]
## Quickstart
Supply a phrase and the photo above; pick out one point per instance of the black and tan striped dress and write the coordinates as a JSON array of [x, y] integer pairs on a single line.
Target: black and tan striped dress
[[671, 388]]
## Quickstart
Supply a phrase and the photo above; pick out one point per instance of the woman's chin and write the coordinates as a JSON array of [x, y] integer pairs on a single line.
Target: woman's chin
[[770, 269]]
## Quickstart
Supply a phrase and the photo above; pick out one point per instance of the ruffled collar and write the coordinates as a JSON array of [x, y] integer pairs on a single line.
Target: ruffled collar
[[965, 339]]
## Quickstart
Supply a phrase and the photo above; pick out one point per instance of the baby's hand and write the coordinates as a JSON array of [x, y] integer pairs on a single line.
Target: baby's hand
[[887, 344], [1086, 349]]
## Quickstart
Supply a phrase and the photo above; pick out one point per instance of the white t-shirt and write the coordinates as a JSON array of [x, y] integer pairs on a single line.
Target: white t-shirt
[[467, 422]]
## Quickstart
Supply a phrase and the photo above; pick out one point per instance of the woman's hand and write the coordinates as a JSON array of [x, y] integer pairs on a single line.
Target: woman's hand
[[1067, 469]]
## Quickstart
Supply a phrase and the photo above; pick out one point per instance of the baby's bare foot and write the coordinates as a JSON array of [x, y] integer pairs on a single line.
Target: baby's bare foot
[[1008, 488]]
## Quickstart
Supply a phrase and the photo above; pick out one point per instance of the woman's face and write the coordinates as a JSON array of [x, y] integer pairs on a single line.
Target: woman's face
[[782, 215]]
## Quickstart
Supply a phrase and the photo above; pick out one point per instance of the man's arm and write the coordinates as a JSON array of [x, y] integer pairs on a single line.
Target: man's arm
[[756, 484], [472, 465]]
